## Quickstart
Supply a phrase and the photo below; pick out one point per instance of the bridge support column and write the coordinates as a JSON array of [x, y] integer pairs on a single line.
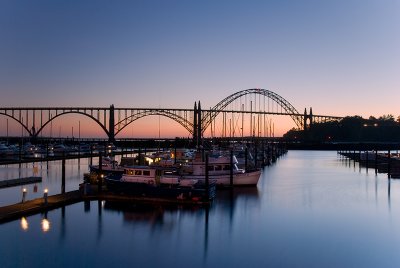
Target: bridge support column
[[199, 134], [308, 119], [195, 124], [111, 123]]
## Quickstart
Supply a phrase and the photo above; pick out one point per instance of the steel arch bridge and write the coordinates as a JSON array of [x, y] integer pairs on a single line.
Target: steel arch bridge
[[195, 121], [288, 108]]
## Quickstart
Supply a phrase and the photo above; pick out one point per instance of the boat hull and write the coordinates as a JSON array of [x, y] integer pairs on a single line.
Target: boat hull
[[196, 193], [239, 179]]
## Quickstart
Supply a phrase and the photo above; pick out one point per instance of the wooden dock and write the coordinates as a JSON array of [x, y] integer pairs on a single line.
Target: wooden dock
[[20, 181], [31, 207], [27, 208]]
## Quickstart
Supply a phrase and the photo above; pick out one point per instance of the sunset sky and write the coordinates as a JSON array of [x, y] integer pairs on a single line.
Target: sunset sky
[[340, 57]]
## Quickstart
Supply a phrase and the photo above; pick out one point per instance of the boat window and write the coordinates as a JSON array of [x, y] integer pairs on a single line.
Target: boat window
[[129, 172], [146, 172], [210, 167], [218, 167], [138, 172]]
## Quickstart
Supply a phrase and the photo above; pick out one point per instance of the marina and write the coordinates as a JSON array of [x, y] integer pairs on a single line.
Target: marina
[[309, 209], [201, 134], [193, 183]]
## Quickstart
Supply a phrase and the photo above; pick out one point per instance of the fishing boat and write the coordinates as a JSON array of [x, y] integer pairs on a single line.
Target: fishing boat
[[219, 170], [149, 181]]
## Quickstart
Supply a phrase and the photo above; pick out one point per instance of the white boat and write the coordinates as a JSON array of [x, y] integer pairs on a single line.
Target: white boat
[[152, 181], [219, 170]]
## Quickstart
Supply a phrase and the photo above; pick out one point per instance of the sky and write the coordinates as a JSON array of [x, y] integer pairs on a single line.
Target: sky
[[340, 57]]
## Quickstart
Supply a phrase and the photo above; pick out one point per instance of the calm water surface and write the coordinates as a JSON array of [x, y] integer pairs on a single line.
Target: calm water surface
[[310, 209]]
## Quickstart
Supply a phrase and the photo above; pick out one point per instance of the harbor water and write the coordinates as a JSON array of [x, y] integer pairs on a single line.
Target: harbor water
[[310, 209]]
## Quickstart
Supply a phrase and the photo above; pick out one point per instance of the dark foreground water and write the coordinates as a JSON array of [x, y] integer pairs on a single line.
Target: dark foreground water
[[310, 209]]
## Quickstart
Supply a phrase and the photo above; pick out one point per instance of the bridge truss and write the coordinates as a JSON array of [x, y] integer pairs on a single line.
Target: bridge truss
[[250, 106]]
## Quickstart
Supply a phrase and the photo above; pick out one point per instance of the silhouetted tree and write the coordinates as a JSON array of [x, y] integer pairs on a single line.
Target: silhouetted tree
[[351, 128]]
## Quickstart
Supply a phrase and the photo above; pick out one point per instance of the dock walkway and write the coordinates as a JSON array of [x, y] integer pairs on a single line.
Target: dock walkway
[[38, 205], [31, 207], [20, 181]]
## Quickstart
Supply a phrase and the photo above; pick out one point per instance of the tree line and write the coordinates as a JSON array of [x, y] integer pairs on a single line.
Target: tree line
[[351, 129]]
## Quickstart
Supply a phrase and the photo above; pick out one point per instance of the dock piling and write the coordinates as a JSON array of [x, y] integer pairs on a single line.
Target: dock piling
[[100, 175], [389, 166], [231, 171], [63, 175], [207, 179]]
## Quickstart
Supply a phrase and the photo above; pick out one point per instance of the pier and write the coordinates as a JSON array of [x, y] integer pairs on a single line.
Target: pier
[[381, 161], [42, 205], [264, 154], [19, 181]]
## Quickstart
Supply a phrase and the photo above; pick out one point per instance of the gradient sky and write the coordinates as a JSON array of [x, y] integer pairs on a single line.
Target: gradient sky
[[340, 57]]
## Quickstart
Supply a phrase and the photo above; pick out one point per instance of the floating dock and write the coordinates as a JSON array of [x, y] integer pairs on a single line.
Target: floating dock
[[20, 181], [41, 205]]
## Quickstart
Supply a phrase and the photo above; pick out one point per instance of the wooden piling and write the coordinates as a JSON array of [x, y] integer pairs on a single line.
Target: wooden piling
[[63, 175], [139, 158], [231, 171], [175, 152], [99, 175], [255, 156], [389, 164], [91, 155], [207, 184], [245, 158], [263, 149]]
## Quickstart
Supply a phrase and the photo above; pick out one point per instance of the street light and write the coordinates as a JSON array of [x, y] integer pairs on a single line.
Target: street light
[[23, 195], [45, 194]]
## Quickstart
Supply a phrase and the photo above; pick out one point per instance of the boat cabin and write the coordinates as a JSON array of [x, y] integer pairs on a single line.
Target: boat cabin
[[139, 174]]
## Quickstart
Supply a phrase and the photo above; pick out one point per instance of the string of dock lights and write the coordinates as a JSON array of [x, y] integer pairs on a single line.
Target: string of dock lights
[[45, 223]]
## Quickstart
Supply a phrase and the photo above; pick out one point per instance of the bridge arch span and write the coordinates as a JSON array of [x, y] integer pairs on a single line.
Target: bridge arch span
[[18, 121], [289, 108], [119, 126], [71, 112]]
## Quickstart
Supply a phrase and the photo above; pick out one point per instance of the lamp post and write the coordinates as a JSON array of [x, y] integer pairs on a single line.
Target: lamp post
[[45, 195], [23, 195]]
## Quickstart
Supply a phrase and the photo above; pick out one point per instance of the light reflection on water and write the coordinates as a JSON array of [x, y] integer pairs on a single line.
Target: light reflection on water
[[310, 209]]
